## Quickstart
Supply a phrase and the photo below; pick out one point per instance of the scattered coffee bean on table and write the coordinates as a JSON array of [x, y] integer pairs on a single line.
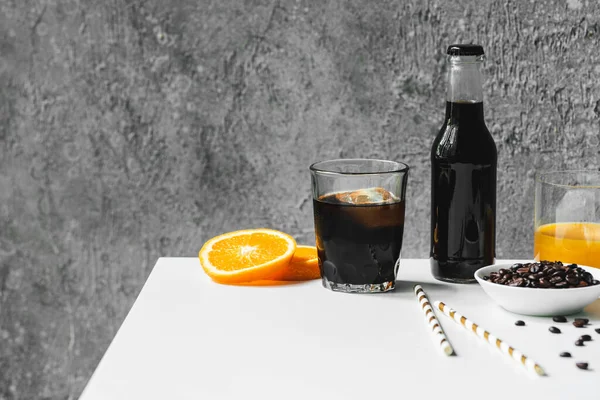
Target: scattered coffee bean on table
[[559, 318], [582, 365], [585, 321], [579, 324], [565, 354], [579, 342], [520, 323], [597, 330], [543, 274], [554, 329], [585, 338]]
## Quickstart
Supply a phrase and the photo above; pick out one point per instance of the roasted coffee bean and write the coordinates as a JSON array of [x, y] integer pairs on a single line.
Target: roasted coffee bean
[[572, 279], [565, 354], [543, 274], [584, 320], [579, 342], [559, 318], [560, 273], [597, 330], [582, 365], [520, 323], [517, 282], [543, 283], [585, 338], [579, 323], [554, 329]]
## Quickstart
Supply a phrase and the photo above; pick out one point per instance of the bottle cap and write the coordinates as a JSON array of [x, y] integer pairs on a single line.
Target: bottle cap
[[465, 50]]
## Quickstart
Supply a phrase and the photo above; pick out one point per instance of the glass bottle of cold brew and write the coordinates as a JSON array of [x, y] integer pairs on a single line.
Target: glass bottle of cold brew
[[463, 175]]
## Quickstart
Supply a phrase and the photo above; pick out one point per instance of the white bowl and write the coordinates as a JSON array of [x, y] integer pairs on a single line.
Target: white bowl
[[537, 301]]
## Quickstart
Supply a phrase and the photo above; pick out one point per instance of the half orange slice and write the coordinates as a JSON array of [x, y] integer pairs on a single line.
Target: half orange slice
[[304, 265], [247, 255]]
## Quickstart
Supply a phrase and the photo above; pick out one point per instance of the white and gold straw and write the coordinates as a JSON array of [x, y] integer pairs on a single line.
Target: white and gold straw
[[432, 322], [504, 348]]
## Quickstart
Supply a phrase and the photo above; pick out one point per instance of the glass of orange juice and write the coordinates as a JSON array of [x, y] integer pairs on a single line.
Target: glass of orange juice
[[567, 217]]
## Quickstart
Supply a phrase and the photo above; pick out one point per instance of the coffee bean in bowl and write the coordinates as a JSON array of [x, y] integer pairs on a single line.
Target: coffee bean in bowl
[[544, 274], [541, 288]]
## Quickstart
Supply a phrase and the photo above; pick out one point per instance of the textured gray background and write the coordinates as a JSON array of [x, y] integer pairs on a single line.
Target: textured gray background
[[134, 129]]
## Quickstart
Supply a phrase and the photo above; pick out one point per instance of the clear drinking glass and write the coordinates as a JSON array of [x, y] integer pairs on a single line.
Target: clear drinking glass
[[359, 221], [567, 217]]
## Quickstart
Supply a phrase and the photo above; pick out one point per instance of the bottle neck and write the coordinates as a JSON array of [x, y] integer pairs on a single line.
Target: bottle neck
[[463, 113], [464, 87]]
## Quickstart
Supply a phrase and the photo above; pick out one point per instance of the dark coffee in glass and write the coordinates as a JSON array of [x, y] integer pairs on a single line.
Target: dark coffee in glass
[[359, 231], [358, 243]]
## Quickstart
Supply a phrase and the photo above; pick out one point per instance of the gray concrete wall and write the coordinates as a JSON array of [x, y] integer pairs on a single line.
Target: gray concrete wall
[[136, 129]]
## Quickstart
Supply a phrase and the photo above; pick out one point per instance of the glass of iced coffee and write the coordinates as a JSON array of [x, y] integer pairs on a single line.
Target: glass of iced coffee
[[359, 221]]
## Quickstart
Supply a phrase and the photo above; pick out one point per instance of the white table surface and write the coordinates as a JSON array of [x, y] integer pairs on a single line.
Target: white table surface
[[187, 337]]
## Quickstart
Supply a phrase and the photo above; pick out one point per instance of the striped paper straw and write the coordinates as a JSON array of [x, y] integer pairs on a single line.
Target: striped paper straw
[[432, 322], [507, 350]]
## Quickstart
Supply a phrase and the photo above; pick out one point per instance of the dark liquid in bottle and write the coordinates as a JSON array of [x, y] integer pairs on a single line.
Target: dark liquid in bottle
[[463, 214], [358, 244]]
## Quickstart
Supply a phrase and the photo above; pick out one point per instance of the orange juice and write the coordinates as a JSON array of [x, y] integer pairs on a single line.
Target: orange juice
[[569, 242]]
